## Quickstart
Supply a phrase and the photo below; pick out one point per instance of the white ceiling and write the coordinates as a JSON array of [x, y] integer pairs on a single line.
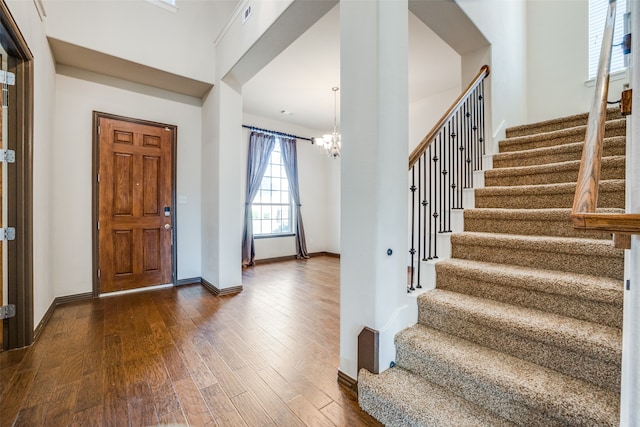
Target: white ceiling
[[300, 79]]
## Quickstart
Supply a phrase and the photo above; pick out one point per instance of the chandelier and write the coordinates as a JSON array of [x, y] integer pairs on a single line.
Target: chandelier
[[331, 143]]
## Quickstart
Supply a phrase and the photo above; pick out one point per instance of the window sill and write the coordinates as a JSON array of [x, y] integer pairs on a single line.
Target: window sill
[[618, 75], [272, 236]]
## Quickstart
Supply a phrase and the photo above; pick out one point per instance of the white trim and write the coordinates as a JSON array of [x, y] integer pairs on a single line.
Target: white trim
[[618, 75], [164, 5], [40, 8], [236, 12], [132, 291]]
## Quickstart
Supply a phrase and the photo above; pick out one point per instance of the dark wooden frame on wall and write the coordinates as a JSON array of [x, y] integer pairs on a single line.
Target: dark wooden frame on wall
[[19, 329], [95, 214]]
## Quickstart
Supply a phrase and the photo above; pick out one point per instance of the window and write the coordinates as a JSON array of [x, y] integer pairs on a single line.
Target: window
[[272, 207], [597, 17]]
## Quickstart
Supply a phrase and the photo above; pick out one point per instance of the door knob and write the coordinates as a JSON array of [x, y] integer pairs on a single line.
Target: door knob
[[167, 226]]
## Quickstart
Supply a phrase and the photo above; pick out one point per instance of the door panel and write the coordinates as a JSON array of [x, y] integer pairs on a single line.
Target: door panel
[[135, 236]]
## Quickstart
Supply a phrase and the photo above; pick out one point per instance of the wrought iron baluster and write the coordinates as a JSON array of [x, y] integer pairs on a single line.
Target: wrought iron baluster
[[412, 251], [419, 207], [481, 139], [425, 213], [431, 168], [446, 162]]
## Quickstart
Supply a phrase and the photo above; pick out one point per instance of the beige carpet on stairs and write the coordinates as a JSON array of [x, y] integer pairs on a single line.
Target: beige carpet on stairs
[[524, 326]]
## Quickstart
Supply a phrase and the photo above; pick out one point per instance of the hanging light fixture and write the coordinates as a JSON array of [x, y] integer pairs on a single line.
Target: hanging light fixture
[[331, 143]]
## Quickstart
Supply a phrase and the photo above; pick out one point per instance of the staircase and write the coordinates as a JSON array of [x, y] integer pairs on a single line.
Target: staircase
[[524, 326]]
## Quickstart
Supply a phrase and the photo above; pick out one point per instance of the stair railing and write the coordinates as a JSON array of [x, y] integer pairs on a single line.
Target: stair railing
[[440, 168], [584, 214]]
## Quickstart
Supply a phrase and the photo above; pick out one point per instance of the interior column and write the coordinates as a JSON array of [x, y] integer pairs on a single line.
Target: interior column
[[221, 193], [374, 177]]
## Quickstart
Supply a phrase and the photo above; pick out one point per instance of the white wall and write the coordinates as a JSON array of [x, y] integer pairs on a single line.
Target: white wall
[[32, 29], [630, 386], [423, 114], [163, 39], [319, 180], [557, 58], [504, 25], [72, 179]]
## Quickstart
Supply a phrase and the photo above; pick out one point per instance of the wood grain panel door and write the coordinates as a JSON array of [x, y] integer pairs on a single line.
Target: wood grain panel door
[[135, 204]]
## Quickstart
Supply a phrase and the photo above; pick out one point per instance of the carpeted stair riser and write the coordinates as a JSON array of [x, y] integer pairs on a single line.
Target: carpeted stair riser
[[397, 398], [584, 256], [515, 389], [557, 124], [615, 146], [612, 168], [530, 222], [559, 137], [546, 339], [610, 195], [574, 295]]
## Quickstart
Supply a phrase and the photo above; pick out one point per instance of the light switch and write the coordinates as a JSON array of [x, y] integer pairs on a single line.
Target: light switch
[[182, 200]]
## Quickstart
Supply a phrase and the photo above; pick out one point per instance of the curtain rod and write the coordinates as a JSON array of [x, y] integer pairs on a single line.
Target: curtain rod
[[273, 132]]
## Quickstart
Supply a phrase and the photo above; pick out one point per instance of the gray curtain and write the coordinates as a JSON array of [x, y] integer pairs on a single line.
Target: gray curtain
[[290, 160], [260, 147]]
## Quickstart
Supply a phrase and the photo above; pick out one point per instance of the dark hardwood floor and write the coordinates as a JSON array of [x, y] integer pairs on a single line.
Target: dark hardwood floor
[[266, 356]]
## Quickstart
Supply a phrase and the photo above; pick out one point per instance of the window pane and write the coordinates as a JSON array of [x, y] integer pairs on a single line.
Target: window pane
[[597, 18], [271, 208]]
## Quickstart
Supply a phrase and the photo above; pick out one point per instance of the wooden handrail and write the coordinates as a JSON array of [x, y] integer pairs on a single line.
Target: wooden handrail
[[426, 141], [583, 214], [586, 197], [614, 223]]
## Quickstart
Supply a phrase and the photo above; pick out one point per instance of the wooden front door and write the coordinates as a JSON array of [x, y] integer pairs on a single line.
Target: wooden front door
[[135, 192]]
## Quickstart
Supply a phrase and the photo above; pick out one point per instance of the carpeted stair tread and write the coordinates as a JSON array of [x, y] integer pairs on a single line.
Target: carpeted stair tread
[[558, 137], [525, 323], [591, 339], [612, 168], [588, 256], [540, 222], [513, 388], [575, 285], [614, 146], [559, 123], [558, 195], [397, 397], [580, 296], [581, 349]]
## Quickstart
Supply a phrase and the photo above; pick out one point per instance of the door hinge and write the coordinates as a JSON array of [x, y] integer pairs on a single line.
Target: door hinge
[[7, 156], [98, 178], [7, 78], [98, 225], [7, 234], [98, 130], [628, 284], [7, 311], [98, 273]]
